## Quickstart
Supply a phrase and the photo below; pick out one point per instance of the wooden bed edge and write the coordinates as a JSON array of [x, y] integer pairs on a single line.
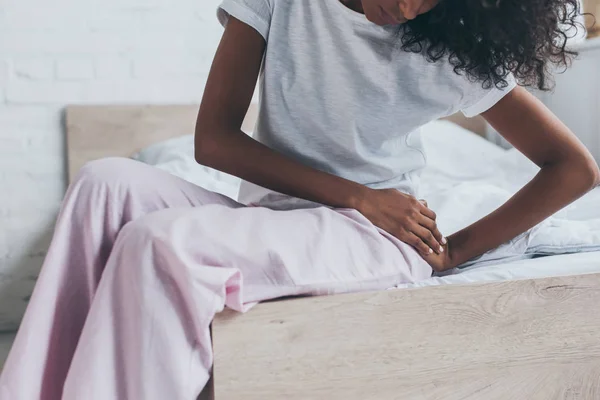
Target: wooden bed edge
[[331, 347]]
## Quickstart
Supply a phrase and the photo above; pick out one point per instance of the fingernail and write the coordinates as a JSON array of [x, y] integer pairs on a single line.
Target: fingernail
[[441, 249], [430, 251], [444, 241]]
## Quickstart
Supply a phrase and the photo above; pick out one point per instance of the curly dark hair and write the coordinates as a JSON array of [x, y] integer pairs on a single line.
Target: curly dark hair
[[488, 39]]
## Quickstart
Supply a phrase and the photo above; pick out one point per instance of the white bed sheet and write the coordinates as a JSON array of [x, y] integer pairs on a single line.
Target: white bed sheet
[[543, 267]]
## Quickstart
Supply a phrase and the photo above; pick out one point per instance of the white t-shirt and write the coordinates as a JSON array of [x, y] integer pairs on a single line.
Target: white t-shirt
[[337, 93]]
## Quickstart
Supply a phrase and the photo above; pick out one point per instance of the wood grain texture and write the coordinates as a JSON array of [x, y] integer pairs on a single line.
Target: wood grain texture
[[531, 339], [95, 132]]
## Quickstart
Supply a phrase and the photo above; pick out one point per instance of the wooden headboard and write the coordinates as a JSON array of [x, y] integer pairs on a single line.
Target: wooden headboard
[[95, 132]]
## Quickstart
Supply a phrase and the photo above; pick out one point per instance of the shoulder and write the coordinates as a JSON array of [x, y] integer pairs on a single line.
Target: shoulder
[[255, 13]]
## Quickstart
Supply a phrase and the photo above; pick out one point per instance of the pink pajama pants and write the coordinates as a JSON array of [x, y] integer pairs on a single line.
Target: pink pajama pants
[[140, 263]]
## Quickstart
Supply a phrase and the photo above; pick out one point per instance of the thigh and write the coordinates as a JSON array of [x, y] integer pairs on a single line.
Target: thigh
[[140, 186], [281, 253]]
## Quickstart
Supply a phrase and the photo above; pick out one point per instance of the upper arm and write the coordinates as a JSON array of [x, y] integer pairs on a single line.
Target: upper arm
[[231, 81], [534, 130]]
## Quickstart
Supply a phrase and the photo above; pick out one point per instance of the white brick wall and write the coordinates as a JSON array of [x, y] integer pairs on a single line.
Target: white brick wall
[[79, 52]]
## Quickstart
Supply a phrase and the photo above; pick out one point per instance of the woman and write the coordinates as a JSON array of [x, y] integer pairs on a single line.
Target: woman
[[141, 261]]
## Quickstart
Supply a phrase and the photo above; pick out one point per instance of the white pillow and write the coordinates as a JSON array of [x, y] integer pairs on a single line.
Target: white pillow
[[176, 156]]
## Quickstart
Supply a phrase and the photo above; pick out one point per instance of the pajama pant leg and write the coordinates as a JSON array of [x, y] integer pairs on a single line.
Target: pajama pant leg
[[147, 334], [105, 196]]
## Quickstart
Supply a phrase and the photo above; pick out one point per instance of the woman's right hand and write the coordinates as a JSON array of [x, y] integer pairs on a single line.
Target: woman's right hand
[[405, 217]]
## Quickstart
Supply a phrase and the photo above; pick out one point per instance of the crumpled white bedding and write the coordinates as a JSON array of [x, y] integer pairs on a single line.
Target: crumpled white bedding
[[467, 177], [463, 185], [558, 265]]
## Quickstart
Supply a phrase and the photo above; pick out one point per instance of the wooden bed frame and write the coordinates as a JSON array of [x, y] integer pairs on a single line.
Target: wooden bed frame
[[528, 339]]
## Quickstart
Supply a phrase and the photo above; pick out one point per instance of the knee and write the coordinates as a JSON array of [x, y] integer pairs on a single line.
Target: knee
[[142, 230], [108, 172], [139, 252], [153, 228], [148, 242]]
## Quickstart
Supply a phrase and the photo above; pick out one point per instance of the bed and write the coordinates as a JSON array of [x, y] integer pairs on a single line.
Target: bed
[[526, 329]]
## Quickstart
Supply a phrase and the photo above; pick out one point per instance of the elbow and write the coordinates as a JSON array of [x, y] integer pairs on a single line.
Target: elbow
[[205, 146], [581, 171], [590, 174], [595, 178]]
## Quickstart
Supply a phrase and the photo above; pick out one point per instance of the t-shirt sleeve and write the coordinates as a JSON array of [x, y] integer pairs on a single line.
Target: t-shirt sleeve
[[478, 100], [254, 13]]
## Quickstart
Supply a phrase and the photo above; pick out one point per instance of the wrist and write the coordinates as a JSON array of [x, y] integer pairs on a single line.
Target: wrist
[[458, 252], [464, 246], [358, 198]]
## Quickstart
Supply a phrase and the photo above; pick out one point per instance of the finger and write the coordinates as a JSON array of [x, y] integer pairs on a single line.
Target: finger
[[424, 202], [432, 226], [419, 245], [426, 211], [427, 236]]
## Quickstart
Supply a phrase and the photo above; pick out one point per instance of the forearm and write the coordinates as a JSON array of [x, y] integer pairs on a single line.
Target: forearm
[[220, 143], [235, 153], [553, 188]]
